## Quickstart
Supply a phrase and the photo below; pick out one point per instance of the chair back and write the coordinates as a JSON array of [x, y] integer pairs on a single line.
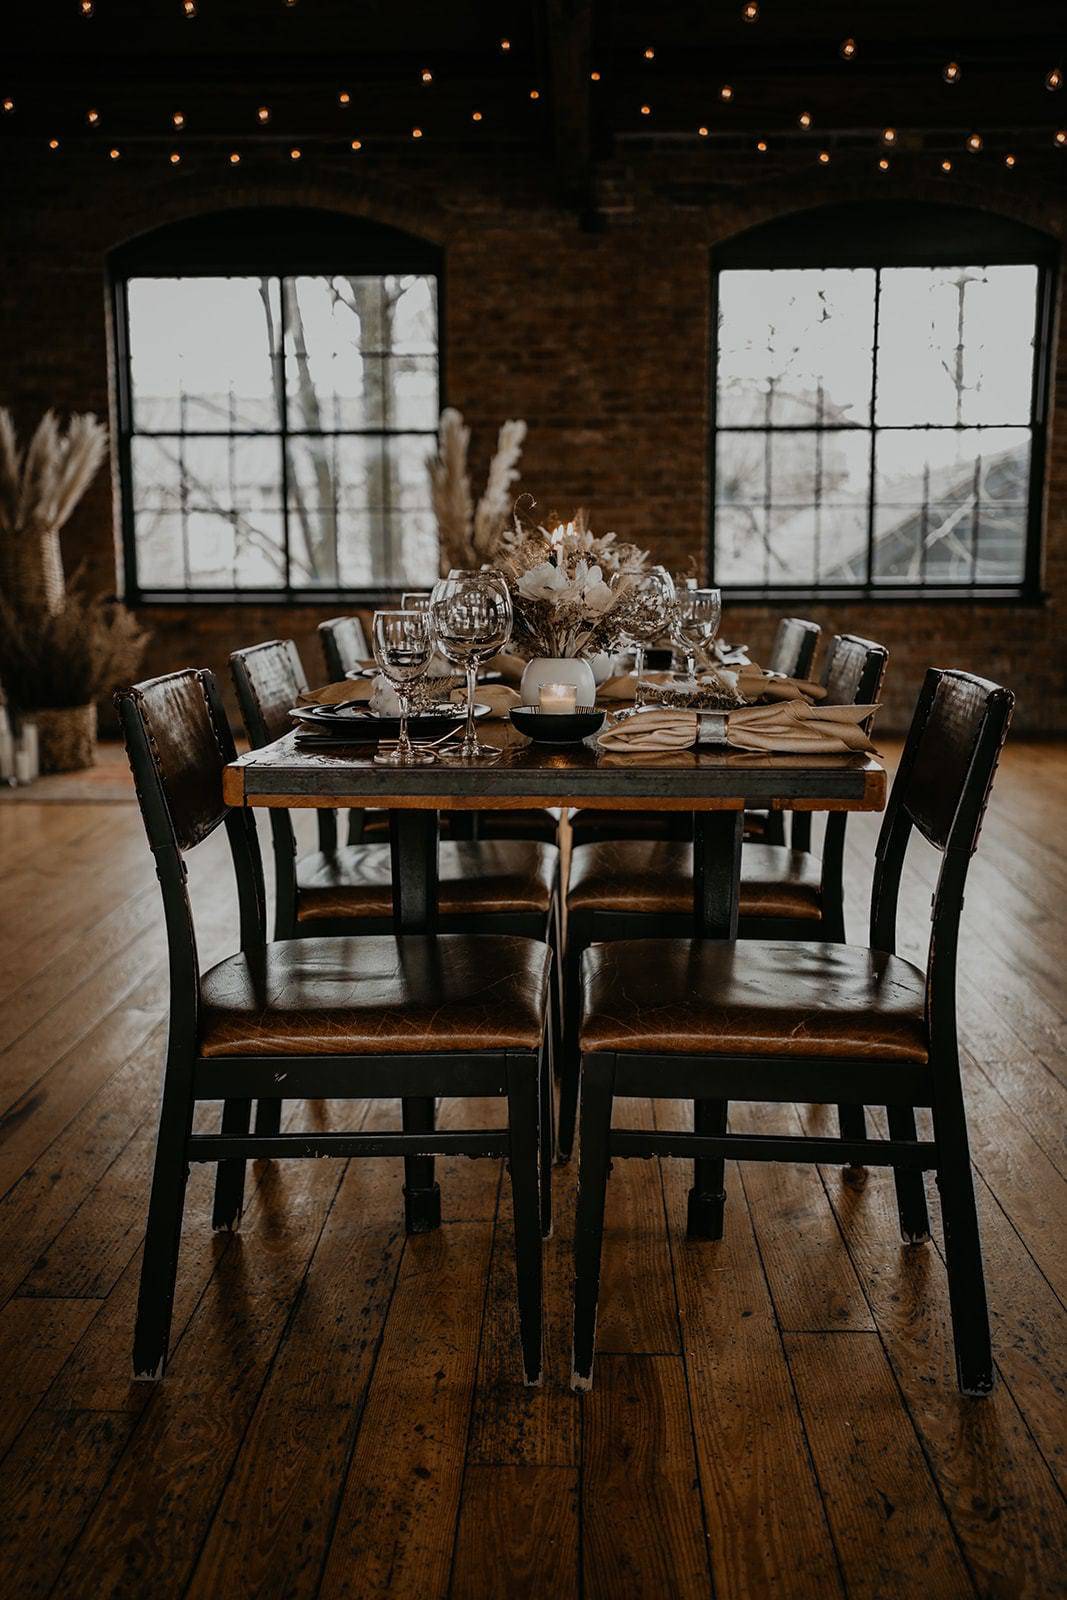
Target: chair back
[[178, 741], [268, 679], [941, 789], [793, 650], [344, 646]]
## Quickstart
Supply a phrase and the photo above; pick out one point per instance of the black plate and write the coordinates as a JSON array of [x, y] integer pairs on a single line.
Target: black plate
[[554, 727], [360, 726]]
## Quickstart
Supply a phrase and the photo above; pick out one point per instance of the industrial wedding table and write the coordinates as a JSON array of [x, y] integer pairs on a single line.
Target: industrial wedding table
[[717, 786]]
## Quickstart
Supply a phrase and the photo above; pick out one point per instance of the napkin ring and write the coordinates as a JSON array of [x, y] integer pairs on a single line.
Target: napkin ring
[[711, 727]]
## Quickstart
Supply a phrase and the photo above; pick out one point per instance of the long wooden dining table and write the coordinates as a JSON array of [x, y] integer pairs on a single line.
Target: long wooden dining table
[[716, 785]]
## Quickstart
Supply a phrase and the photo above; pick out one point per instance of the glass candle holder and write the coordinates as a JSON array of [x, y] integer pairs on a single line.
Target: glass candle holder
[[561, 699]]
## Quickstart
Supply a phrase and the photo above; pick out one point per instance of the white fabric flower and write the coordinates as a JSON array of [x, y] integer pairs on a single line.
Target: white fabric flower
[[597, 596], [543, 582]]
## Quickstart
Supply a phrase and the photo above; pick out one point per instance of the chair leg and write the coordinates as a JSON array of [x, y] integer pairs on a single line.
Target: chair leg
[[774, 831], [159, 1264], [598, 1082], [546, 1134], [268, 1117], [230, 1174], [911, 1191], [523, 1111], [852, 1123], [963, 1250], [422, 1196], [571, 1065], [707, 1197]]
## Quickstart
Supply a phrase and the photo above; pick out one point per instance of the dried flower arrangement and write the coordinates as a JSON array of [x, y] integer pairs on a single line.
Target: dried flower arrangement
[[39, 488], [573, 592], [68, 657], [470, 535]]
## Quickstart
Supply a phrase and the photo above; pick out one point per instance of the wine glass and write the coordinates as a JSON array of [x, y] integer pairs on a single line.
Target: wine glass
[[471, 616], [656, 593], [699, 614], [415, 600], [403, 645]]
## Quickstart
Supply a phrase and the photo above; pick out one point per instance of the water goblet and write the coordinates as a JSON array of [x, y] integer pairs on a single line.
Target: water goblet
[[471, 617], [699, 614], [403, 645], [656, 595]]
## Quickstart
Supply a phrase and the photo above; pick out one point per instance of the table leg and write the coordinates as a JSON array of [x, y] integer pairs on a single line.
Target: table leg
[[413, 838], [716, 887]]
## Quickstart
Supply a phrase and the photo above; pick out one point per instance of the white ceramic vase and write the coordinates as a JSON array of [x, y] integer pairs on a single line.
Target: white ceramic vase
[[557, 669]]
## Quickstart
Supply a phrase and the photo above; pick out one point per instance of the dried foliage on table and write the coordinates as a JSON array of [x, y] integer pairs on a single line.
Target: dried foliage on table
[[470, 535], [573, 592]]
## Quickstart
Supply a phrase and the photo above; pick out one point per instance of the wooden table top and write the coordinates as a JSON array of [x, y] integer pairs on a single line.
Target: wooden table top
[[295, 774]]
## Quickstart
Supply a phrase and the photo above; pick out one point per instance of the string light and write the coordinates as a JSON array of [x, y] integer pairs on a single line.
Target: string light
[[750, 11], [703, 132], [1054, 79], [92, 117], [951, 72], [175, 157], [114, 153], [726, 92], [53, 144], [804, 119], [883, 164], [594, 77], [505, 44], [426, 75], [263, 114], [7, 104], [761, 146], [1061, 136], [189, 7], [178, 118], [946, 165], [535, 94], [974, 143], [824, 157], [476, 116], [1009, 161], [235, 158], [847, 49], [86, 8], [344, 98], [889, 136], [646, 111], [357, 144], [650, 54], [416, 133], [294, 154]]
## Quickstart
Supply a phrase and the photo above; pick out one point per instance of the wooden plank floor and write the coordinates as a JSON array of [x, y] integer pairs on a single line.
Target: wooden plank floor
[[773, 1415]]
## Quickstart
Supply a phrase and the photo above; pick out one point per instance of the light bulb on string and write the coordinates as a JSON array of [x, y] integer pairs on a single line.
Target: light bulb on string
[[344, 98], [357, 144], [535, 94], [804, 119], [1009, 160], [824, 157], [505, 44], [416, 133], [114, 153], [189, 7], [847, 49], [594, 77], [476, 116], [1060, 136], [750, 11], [650, 54], [646, 111], [235, 158], [726, 92], [92, 117], [294, 154], [178, 119], [426, 75], [1054, 79], [761, 146], [263, 114], [53, 144], [974, 143], [951, 72], [883, 164], [946, 165], [175, 158], [889, 136], [7, 104], [703, 132], [86, 8]]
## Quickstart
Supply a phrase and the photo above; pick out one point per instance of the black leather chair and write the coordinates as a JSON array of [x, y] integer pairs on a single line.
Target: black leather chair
[[716, 1020], [414, 1017]]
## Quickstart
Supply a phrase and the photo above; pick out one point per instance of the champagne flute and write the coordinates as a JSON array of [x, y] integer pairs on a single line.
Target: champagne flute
[[471, 615], [699, 614], [403, 645]]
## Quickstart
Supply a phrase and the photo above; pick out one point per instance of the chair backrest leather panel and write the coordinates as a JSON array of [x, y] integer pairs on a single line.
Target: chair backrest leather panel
[[944, 748], [186, 749], [854, 665], [793, 650], [268, 678], [344, 646]]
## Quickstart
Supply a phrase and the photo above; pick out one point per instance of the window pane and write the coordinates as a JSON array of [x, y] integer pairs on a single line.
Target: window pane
[[200, 353], [951, 507], [956, 345], [160, 549], [795, 347]]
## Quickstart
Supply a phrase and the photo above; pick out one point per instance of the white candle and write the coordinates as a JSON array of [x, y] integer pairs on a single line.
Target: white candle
[[29, 748], [559, 698], [24, 772]]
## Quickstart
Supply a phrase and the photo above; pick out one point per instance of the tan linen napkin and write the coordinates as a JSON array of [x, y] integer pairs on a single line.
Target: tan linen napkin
[[335, 694], [791, 727], [511, 668], [748, 680]]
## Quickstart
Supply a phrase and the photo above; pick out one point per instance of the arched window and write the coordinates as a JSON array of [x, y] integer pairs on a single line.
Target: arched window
[[278, 386], [878, 414]]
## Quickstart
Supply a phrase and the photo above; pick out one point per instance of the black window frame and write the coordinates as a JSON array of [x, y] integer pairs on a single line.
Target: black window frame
[[277, 242], [879, 235]]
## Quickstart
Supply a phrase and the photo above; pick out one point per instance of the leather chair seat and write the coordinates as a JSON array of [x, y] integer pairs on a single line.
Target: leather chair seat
[[656, 876], [484, 875], [752, 998], [377, 996]]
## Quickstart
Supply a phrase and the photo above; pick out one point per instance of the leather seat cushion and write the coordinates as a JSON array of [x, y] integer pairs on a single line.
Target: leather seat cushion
[[649, 876], [482, 875], [752, 998], [377, 996]]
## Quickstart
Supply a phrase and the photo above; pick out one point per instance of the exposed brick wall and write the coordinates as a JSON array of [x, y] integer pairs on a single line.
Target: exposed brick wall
[[599, 340]]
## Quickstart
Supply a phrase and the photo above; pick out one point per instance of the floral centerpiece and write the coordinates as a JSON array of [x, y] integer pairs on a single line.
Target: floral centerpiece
[[574, 595]]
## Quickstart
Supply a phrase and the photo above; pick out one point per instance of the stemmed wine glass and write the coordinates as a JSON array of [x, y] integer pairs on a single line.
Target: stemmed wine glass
[[655, 590], [403, 645], [471, 616], [415, 600], [699, 614]]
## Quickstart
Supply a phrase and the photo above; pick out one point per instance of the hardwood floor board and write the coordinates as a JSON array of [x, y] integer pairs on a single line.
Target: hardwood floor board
[[812, 1280], [34, 1343], [888, 1522], [637, 1313], [1035, 1095], [512, 1423], [642, 1523], [767, 1528], [1000, 1496], [396, 1526], [518, 1534]]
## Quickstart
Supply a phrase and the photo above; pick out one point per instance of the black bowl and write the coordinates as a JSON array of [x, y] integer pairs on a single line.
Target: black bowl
[[555, 727]]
